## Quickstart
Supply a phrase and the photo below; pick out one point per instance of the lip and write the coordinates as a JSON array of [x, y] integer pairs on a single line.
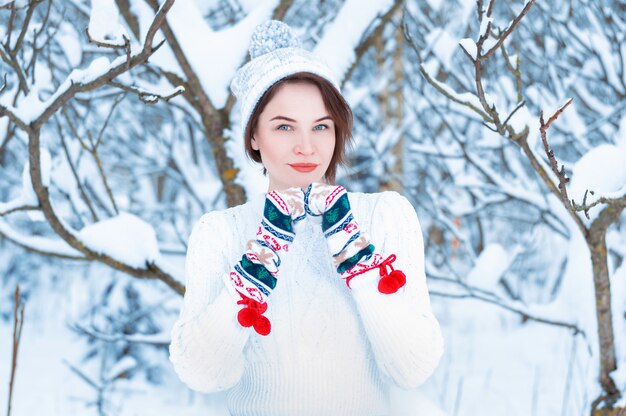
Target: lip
[[304, 167]]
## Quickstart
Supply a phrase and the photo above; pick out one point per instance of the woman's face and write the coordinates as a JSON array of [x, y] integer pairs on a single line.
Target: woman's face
[[295, 128]]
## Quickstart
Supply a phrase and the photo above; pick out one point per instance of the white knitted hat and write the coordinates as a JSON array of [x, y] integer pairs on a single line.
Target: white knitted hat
[[275, 53]]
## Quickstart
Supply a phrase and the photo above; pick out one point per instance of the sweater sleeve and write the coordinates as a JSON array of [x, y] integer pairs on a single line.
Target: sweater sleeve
[[404, 334], [207, 342]]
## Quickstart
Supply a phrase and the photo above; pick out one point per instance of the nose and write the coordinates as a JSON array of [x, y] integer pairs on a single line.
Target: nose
[[304, 144]]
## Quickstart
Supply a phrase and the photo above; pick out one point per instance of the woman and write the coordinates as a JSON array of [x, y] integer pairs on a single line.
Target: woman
[[307, 300]]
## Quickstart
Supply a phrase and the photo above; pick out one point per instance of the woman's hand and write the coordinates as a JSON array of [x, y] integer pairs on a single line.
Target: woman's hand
[[255, 275], [293, 198], [353, 252], [319, 196]]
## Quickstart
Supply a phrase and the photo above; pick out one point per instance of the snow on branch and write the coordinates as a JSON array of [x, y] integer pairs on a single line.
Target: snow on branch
[[53, 247], [502, 37], [149, 97], [125, 237], [155, 339], [104, 27], [342, 48], [32, 114], [588, 177], [467, 99], [16, 204]]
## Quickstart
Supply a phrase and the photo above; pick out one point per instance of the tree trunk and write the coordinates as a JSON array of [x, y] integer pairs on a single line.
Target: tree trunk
[[596, 240]]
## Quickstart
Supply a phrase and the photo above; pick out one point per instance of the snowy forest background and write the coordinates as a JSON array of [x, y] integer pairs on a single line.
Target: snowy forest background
[[115, 137]]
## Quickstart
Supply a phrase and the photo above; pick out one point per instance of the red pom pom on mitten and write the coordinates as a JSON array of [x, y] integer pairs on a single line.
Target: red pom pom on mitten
[[389, 282], [251, 315]]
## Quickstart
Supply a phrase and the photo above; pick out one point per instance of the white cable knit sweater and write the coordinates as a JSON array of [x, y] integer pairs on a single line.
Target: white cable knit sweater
[[332, 350]]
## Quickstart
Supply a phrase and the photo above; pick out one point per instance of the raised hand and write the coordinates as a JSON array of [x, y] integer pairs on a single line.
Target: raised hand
[[352, 251], [255, 275], [318, 196]]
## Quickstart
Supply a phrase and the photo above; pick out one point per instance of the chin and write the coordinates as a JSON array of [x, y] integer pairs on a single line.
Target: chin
[[302, 181]]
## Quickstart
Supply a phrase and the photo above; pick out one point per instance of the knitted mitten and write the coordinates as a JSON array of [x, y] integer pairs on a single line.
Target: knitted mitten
[[255, 275], [353, 253]]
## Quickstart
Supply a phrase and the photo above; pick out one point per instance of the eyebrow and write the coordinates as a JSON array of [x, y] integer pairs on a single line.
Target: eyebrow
[[293, 121]]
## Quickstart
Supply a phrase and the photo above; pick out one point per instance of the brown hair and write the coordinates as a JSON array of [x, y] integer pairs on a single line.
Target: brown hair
[[336, 105]]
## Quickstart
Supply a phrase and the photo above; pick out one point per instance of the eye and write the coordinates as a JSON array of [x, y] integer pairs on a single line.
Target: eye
[[324, 127], [280, 127]]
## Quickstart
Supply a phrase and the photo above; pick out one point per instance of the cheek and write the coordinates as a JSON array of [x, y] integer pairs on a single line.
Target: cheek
[[275, 153], [330, 144]]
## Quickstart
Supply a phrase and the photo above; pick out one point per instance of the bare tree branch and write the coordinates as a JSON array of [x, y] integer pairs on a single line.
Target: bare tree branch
[[18, 323], [560, 174], [151, 271], [436, 84], [152, 339], [146, 96], [507, 31], [526, 316], [365, 43], [67, 92]]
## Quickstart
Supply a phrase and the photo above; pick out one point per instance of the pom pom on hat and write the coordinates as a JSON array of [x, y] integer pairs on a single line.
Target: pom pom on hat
[[270, 36]]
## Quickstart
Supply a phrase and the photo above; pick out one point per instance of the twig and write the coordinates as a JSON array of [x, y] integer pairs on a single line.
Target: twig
[[435, 83], [526, 316], [520, 105], [146, 96], [61, 97], [101, 44], [18, 322], [367, 41], [517, 73], [162, 340], [602, 200], [506, 33], [10, 207], [70, 162], [553, 163]]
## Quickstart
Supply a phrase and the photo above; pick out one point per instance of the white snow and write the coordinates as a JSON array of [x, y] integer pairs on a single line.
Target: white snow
[[601, 170], [30, 108], [96, 68], [69, 40], [213, 55], [470, 46], [434, 4], [602, 47], [11, 204], [443, 44], [125, 237], [483, 25], [104, 23], [489, 267], [337, 45], [43, 244], [523, 118], [430, 66]]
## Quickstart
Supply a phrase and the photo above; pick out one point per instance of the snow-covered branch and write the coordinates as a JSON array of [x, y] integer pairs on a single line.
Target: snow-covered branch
[[152, 339]]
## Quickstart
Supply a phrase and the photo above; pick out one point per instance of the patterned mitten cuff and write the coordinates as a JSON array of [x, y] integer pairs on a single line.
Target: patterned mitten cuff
[[351, 249], [255, 275]]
